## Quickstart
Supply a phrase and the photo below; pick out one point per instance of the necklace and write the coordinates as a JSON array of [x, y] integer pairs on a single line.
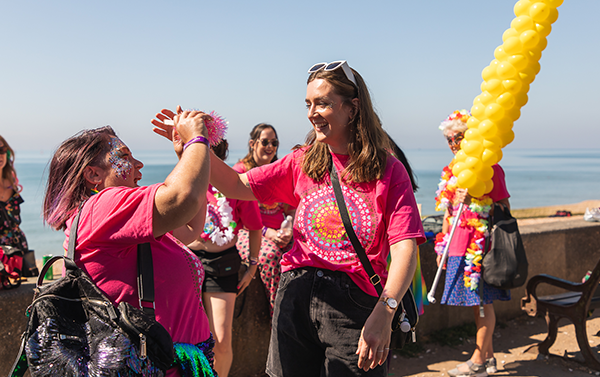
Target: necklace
[[474, 217], [222, 233]]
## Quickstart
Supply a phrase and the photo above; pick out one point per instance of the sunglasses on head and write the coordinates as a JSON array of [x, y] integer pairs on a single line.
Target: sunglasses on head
[[332, 67], [266, 142], [3, 149]]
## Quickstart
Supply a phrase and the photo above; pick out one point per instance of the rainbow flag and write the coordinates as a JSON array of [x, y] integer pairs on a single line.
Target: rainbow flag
[[418, 286]]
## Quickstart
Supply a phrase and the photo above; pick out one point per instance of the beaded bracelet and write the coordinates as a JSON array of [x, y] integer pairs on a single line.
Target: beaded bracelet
[[253, 261], [264, 231], [197, 139]]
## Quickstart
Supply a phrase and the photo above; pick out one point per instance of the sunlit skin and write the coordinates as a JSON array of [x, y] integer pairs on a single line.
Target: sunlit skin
[[329, 114], [261, 154]]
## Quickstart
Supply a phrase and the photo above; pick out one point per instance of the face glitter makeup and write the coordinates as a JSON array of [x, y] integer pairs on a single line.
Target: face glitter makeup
[[120, 165]]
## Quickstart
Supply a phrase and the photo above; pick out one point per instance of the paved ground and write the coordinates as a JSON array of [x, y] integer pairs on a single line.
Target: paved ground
[[511, 345]]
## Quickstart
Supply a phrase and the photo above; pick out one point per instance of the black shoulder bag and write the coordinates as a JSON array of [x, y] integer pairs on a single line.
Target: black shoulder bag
[[505, 263], [407, 312], [73, 329]]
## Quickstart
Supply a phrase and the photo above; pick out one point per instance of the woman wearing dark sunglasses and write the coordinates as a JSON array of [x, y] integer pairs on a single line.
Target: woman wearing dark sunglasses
[[10, 200], [328, 319], [262, 150]]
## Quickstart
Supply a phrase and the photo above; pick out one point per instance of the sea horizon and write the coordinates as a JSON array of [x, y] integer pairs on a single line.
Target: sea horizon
[[534, 177]]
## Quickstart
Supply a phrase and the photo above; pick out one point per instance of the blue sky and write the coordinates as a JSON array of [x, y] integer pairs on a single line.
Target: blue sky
[[70, 65]]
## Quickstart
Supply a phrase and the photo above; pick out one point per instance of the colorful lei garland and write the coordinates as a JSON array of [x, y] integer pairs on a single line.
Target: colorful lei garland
[[473, 217], [222, 233]]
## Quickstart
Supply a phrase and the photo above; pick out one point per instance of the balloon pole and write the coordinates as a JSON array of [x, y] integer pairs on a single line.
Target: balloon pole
[[438, 274]]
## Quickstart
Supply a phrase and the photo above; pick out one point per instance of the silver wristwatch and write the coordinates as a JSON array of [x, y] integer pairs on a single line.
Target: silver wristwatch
[[390, 302]]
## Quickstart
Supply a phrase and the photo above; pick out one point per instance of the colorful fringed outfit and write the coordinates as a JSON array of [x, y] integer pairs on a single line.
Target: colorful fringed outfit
[[10, 219], [463, 267]]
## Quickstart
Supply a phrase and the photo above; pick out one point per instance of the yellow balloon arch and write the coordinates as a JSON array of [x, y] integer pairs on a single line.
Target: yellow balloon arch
[[503, 92]]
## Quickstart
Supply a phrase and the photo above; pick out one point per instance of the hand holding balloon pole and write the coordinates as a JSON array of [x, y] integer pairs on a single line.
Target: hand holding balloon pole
[[438, 274]]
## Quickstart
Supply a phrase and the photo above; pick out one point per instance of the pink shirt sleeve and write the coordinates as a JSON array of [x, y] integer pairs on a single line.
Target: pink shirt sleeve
[[282, 172], [499, 191]]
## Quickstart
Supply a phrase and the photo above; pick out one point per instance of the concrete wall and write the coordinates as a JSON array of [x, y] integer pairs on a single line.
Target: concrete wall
[[567, 248]]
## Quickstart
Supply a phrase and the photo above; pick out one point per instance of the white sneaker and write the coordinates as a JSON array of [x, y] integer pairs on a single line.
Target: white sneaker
[[592, 214], [490, 365], [468, 369]]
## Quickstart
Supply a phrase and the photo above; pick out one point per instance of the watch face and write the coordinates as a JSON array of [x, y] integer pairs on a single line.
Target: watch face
[[392, 303]]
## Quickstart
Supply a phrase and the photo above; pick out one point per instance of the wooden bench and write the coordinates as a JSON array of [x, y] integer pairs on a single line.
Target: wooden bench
[[574, 304]]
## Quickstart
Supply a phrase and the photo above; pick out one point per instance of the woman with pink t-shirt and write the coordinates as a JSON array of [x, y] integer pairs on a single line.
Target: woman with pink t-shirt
[[328, 319], [262, 150], [97, 168], [464, 286]]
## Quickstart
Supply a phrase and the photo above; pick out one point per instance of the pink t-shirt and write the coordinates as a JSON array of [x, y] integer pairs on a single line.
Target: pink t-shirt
[[243, 213], [112, 224], [383, 213], [458, 246], [272, 215]]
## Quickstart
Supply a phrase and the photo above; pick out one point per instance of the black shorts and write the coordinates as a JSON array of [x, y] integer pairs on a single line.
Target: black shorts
[[218, 284]]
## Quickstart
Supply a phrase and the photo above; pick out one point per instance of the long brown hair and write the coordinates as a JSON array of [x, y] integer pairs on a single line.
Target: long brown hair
[[8, 171], [67, 187], [368, 144], [249, 161]]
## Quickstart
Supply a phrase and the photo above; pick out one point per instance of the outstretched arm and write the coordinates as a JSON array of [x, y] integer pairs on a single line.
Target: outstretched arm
[[229, 182]]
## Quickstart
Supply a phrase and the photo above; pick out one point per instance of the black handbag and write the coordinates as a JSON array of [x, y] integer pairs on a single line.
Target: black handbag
[[73, 329], [505, 264], [406, 316]]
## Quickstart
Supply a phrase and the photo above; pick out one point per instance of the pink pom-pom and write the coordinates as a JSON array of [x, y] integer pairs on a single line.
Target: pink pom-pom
[[217, 128]]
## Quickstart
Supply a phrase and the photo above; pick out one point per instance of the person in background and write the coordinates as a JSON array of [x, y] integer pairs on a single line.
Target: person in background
[[224, 219], [96, 168], [469, 238], [328, 319], [262, 150], [10, 200]]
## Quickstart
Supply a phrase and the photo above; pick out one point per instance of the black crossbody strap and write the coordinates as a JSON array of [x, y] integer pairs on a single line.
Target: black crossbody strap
[[145, 279], [358, 248]]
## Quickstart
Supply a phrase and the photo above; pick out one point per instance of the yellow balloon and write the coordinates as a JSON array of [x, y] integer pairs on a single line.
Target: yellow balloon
[[521, 99], [499, 53], [534, 55], [487, 129], [512, 86], [527, 75], [486, 173], [474, 164], [489, 186], [512, 46], [492, 143], [539, 12], [506, 100], [494, 112], [553, 16], [486, 98], [506, 70], [472, 147], [477, 189], [489, 73], [458, 168], [489, 157], [493, 86], [522, 23], [553, 3], [472, 122], [466, 178], [478, 110], [521, 8], [507, 137], [529, 38], [514, 113], [541, 45], [473, 134], [509, 33], [543, 28], [460, 156], [518, 61]]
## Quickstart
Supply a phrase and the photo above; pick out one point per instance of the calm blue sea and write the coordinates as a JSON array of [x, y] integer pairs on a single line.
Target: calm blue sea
[[535, 178]]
